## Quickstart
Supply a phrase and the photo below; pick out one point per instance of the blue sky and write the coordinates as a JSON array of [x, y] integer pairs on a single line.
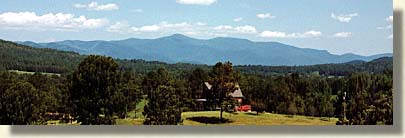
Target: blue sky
[[340, 26]]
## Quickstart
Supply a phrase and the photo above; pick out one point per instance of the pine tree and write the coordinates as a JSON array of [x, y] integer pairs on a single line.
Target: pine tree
[[94, 91], [163, 107]]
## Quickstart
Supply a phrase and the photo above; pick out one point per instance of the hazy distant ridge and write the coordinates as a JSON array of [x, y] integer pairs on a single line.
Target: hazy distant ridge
[[180, 48]]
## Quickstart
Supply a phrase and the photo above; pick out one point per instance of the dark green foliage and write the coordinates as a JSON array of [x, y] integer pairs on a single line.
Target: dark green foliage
[[222, 79], [292, 109], [258, 106], [342, 69], [369, 99], [19, 57], [131, 94], [48, 86], [21, 104], [163, 107], [196, 86], [95, 92]]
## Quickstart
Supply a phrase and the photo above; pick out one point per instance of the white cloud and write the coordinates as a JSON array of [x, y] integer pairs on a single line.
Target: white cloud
[[149, 28], [386, 27], [196, 2], [223, 27], [162, 27], [165, 24], [238, 19], [246, 29], [200, 24], [342, 34], [94, 6], [192, 29], [50, 21], [273, 34], [344, 17], [277, 34], [265, 15], [389, 19], [119, 27]]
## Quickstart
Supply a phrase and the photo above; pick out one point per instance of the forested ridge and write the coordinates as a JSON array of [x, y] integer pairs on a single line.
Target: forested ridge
[[19, 57], [97, 90]]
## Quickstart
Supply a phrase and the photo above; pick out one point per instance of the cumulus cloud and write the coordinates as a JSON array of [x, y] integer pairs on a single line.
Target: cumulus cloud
[[119, 27], [200, 24], [246, 29], [265, 16], [94, 6], [344, 17], [149, 28], [389, 19], [342, 34], [164, 27], [196, 2], [188, 28], [277, 34], [49, 21], [238, 19]]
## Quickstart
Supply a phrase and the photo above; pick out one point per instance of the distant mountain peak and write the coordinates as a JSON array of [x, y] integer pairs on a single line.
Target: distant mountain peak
[[230, 39], [348, 54], [176, 36]]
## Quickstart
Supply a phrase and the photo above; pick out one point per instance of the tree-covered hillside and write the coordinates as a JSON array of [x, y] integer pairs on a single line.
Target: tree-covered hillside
[[19, 57]]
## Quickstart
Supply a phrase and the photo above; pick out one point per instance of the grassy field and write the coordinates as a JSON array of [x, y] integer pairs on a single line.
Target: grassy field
[[134, 119], [31, 73], [242, 118], [246, 118], [203, 118]]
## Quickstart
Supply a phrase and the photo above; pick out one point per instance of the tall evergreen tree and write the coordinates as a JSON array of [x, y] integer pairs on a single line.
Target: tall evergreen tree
[[163, 107], [94, 90], [222, 79]]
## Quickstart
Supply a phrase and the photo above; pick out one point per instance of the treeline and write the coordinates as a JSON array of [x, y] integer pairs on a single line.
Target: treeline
[[19, 57], [99, 91], [342, 69], [358, 99], [25, 99]]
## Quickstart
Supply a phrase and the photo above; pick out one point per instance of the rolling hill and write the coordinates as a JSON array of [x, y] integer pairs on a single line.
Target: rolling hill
[[179, 48]]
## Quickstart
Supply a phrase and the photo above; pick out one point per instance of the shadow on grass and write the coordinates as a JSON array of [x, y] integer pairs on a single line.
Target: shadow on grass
[[209, 120], [325, 119], [289, 116], [252, 113]]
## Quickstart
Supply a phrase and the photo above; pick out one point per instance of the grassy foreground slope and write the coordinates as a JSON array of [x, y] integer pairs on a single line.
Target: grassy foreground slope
[[245, 118], [242, 118]]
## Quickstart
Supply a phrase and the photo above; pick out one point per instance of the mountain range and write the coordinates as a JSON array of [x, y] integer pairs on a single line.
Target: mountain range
[[179, 48]]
